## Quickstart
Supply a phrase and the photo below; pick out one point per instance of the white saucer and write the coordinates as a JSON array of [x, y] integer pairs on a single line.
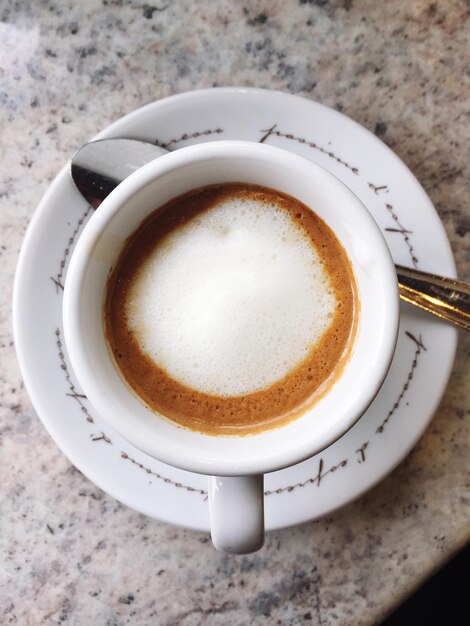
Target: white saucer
[[419, 372]]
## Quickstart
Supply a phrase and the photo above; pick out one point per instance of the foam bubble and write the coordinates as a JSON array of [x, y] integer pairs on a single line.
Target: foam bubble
[[231, 302]]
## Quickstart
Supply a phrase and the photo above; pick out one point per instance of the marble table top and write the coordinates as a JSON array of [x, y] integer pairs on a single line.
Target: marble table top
[[70, 553]]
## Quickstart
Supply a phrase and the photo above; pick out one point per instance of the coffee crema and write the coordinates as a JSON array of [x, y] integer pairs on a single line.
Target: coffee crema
[[232, 309]]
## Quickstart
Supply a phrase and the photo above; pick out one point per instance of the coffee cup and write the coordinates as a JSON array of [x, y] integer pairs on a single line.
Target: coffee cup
[[235, 462]]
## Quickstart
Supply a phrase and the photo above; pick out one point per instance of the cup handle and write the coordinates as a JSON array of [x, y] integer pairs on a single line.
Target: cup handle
[[236, 509]]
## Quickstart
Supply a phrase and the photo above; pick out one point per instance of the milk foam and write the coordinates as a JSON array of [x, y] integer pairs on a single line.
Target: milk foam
[[231, 302]]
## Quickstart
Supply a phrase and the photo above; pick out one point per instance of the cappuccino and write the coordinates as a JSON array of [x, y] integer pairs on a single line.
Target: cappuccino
[[231, 309]]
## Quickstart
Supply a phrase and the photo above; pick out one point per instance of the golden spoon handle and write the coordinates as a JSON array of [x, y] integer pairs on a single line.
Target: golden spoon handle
[[445, 297]]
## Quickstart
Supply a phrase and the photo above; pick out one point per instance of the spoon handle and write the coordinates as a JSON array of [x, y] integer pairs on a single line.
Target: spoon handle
[[445, 297]]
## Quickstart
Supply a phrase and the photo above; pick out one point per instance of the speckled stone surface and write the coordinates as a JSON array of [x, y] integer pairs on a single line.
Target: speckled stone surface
[[71, 554]]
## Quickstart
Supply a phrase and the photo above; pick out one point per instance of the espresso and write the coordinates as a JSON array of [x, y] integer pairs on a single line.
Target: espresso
[[231, 309]]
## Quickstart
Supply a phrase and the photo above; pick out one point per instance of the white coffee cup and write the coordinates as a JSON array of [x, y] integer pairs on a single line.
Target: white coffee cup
[[234, 465]]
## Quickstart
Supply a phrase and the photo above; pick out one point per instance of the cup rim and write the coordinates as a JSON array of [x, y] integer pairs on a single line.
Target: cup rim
[[162, 448]]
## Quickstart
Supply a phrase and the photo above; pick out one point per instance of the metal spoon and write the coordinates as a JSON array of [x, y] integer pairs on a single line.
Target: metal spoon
[[98, 167]]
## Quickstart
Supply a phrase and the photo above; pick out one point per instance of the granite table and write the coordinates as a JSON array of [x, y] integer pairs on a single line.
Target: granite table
[[70, 554]]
